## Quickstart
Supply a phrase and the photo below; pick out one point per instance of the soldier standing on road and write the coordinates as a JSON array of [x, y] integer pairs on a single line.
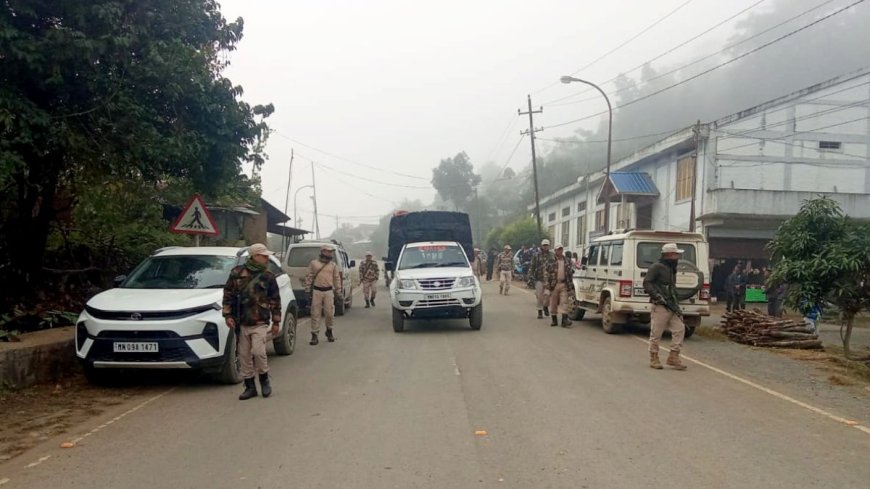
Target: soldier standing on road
[[505, 270], [251, 302], [479, 264], [540, 262], [661, 285], [559, 276], [324, 285], [369, 274]]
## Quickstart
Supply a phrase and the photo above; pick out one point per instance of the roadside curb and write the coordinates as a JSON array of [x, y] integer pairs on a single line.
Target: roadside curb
[[40, 357]]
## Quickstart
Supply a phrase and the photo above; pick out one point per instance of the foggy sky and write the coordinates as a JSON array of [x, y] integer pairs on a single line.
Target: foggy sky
[[401, 84]]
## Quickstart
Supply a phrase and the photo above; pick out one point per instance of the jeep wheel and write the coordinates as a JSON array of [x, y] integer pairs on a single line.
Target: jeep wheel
[[476, 317], [398, 320], [286, 343], [231, 372], [607, 318], [691, 322]]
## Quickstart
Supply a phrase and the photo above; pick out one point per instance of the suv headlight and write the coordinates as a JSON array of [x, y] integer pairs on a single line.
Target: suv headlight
[[407, 284], [465, 282]]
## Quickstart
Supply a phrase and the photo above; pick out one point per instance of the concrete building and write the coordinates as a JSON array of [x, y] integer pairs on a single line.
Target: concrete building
[[753, 170]]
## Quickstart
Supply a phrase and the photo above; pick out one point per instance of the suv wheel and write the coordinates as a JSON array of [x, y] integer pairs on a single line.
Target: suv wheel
[[231, 372], [476, 317], [577, 313], [286, 343], [398, 320], [607, 318], [691, 323]]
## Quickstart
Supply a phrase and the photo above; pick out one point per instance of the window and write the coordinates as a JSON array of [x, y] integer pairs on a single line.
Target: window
[[593, 255], [551, 232], [181, 272], [566, 233], [301, 256], [685, 174], [649, 253], [599, 220], [551, 217], [604, 252], [581, 207], [432, 257], [566, 212], [831, 145], [616, 254], [581, 230]]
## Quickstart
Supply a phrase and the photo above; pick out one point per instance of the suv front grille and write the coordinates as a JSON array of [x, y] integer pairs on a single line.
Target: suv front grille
[[436, 283], [146, 315]]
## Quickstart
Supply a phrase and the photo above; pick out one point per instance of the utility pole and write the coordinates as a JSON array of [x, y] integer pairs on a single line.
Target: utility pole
[[287, 203], [316, 219], [697, 131], [531, 132]]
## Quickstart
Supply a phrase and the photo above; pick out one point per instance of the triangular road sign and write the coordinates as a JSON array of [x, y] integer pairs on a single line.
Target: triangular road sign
[[195, 219]]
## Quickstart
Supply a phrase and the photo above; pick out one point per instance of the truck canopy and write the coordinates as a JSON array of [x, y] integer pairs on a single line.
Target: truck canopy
[[415, 227]]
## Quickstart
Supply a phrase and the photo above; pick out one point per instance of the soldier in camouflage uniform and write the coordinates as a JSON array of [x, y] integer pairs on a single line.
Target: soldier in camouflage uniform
[[252, 302], [479, 264], [540, 262], [368, 275], [660, 283], [505, 264], [559, 275]]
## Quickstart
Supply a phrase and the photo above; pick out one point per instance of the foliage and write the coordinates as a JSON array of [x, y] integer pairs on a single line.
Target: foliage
[[522, 232], [824, 256], [455, 180], [125, 91], [493, 239]]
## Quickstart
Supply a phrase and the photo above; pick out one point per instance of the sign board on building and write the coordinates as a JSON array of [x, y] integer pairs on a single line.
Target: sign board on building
[[195, 219]]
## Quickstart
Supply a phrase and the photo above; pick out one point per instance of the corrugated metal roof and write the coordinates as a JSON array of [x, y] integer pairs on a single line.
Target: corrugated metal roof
[[633, 183]]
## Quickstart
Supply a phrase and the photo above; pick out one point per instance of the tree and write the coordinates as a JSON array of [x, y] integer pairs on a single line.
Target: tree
[[455, 180], [117, 90], [824, 256], [522, 232]]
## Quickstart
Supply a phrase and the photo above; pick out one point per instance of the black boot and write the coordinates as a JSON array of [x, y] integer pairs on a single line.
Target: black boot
[[373, 302], [546, 311], [566, 323], [314, 339], [250, 390], [555, 322], [540, 314], [368, 304], [265, 386], [329, 335]]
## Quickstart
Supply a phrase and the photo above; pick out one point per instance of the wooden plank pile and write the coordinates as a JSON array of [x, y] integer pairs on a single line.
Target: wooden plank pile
[[758, 329]]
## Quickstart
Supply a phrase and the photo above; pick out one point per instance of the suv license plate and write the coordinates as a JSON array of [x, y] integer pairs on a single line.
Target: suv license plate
[[136, 347], [437, 297]]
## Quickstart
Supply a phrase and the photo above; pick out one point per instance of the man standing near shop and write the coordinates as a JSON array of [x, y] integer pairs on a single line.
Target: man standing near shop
[[369, 272], [735, 289], [251, 302], [324, 285], [660, 284], [559, 276], [505, 270], [540, 263]]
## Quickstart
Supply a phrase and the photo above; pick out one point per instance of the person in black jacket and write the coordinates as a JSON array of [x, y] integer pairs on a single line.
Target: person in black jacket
[[660, 283], [735, 289], [490, 263]]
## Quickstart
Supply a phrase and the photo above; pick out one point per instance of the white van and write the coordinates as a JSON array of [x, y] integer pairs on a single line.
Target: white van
[[610, 279], [296, 261]]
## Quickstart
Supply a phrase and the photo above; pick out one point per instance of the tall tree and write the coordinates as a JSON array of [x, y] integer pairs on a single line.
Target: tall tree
[[825, 258], [455, 180], [113, 89]]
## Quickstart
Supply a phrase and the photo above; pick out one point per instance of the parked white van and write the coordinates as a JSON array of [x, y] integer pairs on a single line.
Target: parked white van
[[296, 261], [610, 281]]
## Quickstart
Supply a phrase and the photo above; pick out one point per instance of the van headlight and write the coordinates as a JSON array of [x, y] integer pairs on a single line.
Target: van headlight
[[407, 284], [465, 282]]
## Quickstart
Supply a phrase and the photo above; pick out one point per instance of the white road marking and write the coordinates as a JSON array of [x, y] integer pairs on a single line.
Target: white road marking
[[121, 416], [767, 390], [4, 481], [34, 464]]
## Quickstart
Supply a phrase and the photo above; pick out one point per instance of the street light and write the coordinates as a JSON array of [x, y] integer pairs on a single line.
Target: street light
[[571, 79], [295, 214]]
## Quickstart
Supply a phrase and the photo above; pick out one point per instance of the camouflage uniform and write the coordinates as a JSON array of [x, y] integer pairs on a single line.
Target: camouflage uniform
[[369, 273], [540, 263], [252, 299], [505, 264], [558, 276]]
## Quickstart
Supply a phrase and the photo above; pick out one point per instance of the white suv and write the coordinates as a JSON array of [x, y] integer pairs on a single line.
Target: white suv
[[435, 280], [610, 279], [167, 314]]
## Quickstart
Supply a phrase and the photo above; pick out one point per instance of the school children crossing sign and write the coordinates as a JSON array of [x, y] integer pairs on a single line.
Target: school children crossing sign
[[195, 219]]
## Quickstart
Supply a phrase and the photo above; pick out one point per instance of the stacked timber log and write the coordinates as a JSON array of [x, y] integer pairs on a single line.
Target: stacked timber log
[[758, 329]]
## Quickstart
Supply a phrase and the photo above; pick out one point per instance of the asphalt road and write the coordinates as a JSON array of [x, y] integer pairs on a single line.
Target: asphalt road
[[561, 408]]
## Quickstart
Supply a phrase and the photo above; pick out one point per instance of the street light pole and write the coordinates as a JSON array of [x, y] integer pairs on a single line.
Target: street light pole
[[296, 214], [571, 79]]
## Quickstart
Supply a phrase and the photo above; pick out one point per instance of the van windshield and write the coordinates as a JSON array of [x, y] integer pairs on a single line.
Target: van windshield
[[302, 256], [434, 256], [649, 253]]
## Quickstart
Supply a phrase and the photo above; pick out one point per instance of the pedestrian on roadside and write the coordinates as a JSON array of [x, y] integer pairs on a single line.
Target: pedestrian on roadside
[[735, 288], [479, 265], [505, 270], [251, 303], [324, 286], [559, 279], [490, 263], [540, 262], [660, 284], [369, 272], [812, 314], [775, 299]]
